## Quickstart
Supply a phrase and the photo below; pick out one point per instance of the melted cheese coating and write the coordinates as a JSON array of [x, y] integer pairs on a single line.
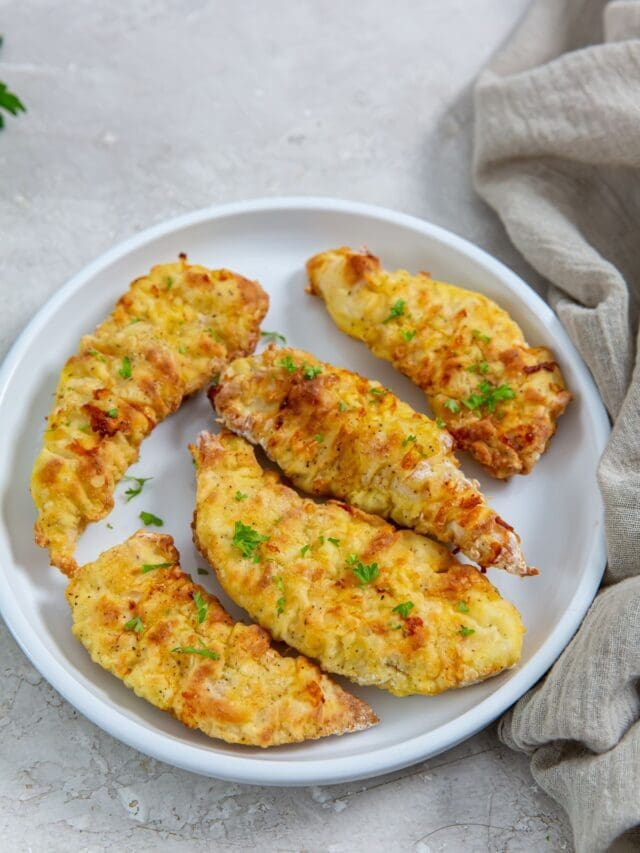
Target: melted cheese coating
[[383, 607], [498, 397], [167, 337], [139, 625], [338, 434]]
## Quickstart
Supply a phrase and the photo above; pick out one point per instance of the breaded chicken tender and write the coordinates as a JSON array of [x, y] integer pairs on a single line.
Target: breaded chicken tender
[[381, 606], [170, 334], [337, 434], [144, 620], [497, 396]]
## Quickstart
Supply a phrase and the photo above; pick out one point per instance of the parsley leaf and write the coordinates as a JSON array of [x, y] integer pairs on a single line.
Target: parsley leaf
[[190, 650], [452, 405], [489, 396], [466, 632], [125, 368], [409, 335], [169, 282], [342, 407], [202, 606], [149, 567], [134, 624], [280, 603], [9, 101], [379, 392], [310, 371], [439, 422], [408, 439], [150, 519], [365, 574], [403, 609], [112, 413], [304, 549], [132, 491], [240, 496], [273, 336], [462, 607], [319, 438], [480, 336], [288, 363], [397, 310], [333, 541], [247, 540]]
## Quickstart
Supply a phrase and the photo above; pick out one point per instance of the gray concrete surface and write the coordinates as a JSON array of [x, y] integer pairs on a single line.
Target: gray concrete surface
[[140, 111]]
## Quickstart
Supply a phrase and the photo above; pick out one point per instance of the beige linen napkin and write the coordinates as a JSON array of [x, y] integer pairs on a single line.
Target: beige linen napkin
[[557, 155]]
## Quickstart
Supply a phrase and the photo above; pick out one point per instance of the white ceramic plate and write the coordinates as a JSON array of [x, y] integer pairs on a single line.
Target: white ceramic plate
[[556, 509]]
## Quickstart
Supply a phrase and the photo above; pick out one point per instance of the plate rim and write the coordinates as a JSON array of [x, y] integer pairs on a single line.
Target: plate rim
[[333, 770]]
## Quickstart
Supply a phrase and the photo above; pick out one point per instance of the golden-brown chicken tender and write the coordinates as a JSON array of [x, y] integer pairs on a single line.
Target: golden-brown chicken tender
[[336, 433], [142, 619], [381, 606], [167, 337], [498, 397]]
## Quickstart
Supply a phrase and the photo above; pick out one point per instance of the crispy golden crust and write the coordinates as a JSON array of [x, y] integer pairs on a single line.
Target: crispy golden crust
[[464, 348], [166, 337], [301, 584], [341, 435], [248, 694]]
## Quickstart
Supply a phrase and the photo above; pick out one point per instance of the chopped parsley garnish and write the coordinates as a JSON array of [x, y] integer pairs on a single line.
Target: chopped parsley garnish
[[319, 438], [342, 407], [151, 519], [403, 609], [135, 320], [365, 574], [280, 603], [409, 335], [125, 368], [480, 336], [452, 405], [408, 440], [439, 422], [397, 310], [149, 567], [202, 572], [466, 632], [288, 363], [202, 606], [169, 282], [97, 355], [310, 371], [181, 350], [213, 334], [240, 496], [191, 650], [273, 336], [395, 627], [112, 413], [379, 392], [333, 541], [110, 526], [133, 491], [321, 540], [480, 367], [462, 607], [489, 396], [304, 549], [134, 624], [247, 540]]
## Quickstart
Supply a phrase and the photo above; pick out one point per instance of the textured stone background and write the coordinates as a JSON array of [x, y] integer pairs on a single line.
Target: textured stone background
[[140, 111]]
